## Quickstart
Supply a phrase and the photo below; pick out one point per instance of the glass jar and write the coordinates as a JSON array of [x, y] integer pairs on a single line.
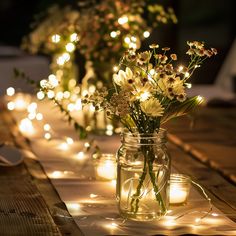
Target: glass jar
[[143, 174]]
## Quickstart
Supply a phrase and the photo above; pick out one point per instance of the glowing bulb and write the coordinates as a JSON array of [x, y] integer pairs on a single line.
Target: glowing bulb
[[200, 99], [80, 155], [53, 80], [50, 94], [46, 127], [134, 39], [187, 74], [70, 47], [26, 126], [32, 107], [56, 38], [73, 206], [74, 37], [40, 95], [11, 106], [144, 96], [43, 83], [113, 34], [59, 95], [115, 68], [31, 116], [188, 85], [87, 145], [152, 72], [39, 116], [122, 20], [56, 174], [70, 106], [112, 225], [66, 94], [93, 195], [78, 104], [10, 91], [146, 34], [180, 68], [215, 214], [197, 220], [63, 146], [127, 40], [47, 136], [69, 140]]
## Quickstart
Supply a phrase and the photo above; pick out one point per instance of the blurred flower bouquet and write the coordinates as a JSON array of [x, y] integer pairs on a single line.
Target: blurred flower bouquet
[[96, 33], [149, 91]]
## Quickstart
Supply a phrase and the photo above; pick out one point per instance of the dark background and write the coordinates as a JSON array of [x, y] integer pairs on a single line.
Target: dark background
[[211, 21]]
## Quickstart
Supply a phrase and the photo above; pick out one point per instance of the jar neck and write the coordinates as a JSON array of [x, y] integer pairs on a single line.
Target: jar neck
[[135, 138]]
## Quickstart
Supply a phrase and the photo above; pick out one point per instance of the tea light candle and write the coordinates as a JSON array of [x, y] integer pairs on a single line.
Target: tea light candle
[[179, 189], [106, 167]]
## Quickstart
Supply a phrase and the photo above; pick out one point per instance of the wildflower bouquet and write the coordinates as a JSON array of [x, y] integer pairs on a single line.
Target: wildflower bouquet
[[148, 92], [151, 90]]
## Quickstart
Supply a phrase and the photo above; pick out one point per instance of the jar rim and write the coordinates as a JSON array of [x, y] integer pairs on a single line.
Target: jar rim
[[135, 133], [179, 178]]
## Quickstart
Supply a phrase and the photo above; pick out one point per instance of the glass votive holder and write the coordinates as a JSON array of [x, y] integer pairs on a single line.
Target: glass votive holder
[[106, 167], [179, 189]]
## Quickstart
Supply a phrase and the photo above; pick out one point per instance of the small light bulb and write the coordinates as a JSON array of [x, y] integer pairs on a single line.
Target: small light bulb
[[113, 34], [50, 94], [146, 34], [39, 116], [40, 95], [10, 91], [127, 40], [70, 47], [69, 140], [56, 38], [180, 68], [46, 127], [11, 106], [122, 20], [47, 136], [74, 37]]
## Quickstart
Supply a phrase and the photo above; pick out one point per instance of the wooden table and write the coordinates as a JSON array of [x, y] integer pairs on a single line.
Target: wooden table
[[43, 213]]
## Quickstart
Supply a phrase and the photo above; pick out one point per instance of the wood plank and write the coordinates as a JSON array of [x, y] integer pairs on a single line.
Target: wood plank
[[60, 217]]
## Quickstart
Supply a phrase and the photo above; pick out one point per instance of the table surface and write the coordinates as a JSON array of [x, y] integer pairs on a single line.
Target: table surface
[[199, 152]]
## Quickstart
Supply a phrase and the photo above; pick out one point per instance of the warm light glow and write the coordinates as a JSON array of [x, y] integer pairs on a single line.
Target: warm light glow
[[127, 40], [69, 140], [78, 104], [59, 95], [177, 194], [93, 195], [56, 38], [39, 116], [106, 168], [65, 57], [11, 106], [109, 129], [26, 126], [215, 214], [50, 94], [70, 47], [43, 83], [74, 37], [187, 74], [146, 34], [113, 183], [200, 99], [122, 20], [113, 34], [91, 89], [10, 91], [46, 127], [169, 221], [70, 107], [47, 136], [32, 107], [73, 206], [66, 94], [56, 174], [63, 146], [188, 85], [40, 95], [144, 96], [180, 68], [80, 156], [87, 145], [21, 102], [53, 80], [115, 68], [152, 72], [32, 116]]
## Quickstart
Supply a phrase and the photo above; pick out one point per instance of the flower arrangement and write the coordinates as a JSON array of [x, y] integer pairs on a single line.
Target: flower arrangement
[[95, 32], [151, 90], [148, 92]]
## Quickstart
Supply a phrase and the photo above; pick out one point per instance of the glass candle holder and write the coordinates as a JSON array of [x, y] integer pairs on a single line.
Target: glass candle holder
[[106, 167], [179, 189]]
